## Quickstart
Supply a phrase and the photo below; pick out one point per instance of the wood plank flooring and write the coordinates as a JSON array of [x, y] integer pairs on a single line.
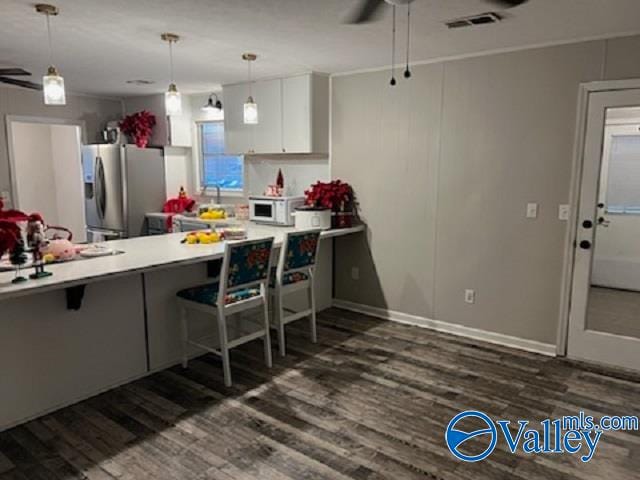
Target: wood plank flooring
[[370, 401]]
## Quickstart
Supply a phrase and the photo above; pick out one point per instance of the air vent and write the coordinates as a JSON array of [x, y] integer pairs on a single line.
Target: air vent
[[482, 19]]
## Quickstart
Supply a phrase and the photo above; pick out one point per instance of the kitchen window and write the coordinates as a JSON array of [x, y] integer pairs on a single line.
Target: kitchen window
[[217, 168]]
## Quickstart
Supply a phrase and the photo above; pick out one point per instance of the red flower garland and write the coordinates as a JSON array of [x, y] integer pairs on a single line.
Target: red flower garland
[[139, 125]]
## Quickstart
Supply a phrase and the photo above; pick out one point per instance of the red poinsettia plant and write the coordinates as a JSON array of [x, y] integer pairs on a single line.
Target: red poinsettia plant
[[335, 195], [139, 126], [9, 229]]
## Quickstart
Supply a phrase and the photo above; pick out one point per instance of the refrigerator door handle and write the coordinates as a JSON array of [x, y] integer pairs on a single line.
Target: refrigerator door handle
[[101, 193]]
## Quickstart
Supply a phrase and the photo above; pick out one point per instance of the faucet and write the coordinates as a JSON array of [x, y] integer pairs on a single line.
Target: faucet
[[218, 199]]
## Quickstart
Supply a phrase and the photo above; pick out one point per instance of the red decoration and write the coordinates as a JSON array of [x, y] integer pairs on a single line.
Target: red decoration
[[9, 230], [139, 126], [335, 195], [180, 204]]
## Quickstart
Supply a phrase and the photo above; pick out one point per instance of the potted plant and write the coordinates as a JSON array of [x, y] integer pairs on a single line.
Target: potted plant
[[337, 198], [139, 127]]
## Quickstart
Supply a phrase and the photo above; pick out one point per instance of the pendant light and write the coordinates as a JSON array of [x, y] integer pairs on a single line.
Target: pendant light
[[52, 82], [172, 97], [250, 106], [210, 106]]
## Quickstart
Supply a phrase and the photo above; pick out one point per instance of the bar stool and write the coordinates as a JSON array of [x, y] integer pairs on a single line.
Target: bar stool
[[294, 272], [242, 285]]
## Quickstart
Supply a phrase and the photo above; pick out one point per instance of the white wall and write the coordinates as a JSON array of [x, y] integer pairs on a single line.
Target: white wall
[[299, 173], [443, 166]]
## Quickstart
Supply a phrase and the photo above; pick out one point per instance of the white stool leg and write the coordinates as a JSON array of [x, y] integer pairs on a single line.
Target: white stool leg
[[224, 347], [185, 336], [267, 336], [312, 302], [280, 322]]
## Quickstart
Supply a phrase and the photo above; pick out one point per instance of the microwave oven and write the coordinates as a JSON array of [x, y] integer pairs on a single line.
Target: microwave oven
[[273, 210]]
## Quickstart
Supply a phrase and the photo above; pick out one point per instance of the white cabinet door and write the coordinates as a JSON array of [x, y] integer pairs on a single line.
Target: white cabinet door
[[267, 134], [296, 114], [237, 135]]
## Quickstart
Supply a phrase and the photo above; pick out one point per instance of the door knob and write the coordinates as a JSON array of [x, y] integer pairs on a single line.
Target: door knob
[[587, 224], [585, 244]]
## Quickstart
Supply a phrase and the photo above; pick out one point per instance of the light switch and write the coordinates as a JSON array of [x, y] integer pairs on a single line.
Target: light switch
[[532, 210], [564, 212], [6, 198], [470, 296], [355, 273]]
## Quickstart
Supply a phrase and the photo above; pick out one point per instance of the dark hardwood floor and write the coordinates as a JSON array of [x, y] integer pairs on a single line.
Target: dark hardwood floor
[[370, 401]]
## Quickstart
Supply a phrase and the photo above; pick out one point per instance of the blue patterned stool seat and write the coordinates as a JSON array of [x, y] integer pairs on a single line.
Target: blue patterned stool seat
[[287, 278], [208, 294]]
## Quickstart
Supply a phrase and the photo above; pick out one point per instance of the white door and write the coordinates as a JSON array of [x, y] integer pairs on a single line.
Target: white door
[[604, 322]]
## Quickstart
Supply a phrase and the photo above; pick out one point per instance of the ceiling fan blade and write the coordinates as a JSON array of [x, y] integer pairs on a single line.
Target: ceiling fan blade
[[507, 3], [14, 72], [21, 83], [366, 11]]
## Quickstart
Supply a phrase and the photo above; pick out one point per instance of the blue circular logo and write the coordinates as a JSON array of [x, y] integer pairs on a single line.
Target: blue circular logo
[[455, 437]]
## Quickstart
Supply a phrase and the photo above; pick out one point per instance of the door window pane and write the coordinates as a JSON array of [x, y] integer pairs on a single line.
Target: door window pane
[[623, 185]]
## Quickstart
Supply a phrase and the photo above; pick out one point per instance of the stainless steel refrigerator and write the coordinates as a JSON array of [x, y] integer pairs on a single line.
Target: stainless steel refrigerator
[[121, 184]]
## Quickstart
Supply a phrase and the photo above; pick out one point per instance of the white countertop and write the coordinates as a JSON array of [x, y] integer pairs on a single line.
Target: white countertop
[[141, 254]]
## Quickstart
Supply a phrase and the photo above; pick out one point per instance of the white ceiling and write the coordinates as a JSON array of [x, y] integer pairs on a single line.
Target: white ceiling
[[101, 44]]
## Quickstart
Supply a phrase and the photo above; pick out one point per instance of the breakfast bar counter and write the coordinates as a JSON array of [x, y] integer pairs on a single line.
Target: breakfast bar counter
[[141, 254], [101, 322]]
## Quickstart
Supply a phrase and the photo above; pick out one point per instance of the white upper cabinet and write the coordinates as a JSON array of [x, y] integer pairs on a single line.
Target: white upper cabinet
[[174, 131], [293, 116], [266, 135]]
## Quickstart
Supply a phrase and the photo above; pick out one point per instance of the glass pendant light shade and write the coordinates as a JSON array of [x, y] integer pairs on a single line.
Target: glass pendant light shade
[[250, 106], [53, 88], [250, 112], [173, 101]]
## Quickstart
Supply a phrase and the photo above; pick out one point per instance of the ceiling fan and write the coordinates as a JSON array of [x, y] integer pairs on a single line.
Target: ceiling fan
[[7, 74], [369, 10]]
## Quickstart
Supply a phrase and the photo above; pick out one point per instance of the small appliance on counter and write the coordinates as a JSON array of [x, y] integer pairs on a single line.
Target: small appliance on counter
[[308, 217], [273, 210]]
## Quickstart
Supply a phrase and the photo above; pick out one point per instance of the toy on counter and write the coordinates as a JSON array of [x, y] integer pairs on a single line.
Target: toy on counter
[[180, 204], [59, 249], [18, 257], [37, 241], [202, 238]]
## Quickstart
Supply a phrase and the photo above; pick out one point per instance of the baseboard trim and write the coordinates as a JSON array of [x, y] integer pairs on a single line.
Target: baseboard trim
[[446, 327]]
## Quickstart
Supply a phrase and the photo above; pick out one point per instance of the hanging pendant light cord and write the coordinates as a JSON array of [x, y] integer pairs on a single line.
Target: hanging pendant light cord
[[407, 72], [171, 60], [393, 49], [50, 41], [250, 82]]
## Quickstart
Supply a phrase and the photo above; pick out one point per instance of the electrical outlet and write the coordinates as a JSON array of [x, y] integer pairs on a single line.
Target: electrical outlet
[[532, 210], [564, 212], [355, 273], [470, 296]]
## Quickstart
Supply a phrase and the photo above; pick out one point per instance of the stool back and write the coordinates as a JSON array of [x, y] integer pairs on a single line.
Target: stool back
[[299, 251], [246, 264]]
